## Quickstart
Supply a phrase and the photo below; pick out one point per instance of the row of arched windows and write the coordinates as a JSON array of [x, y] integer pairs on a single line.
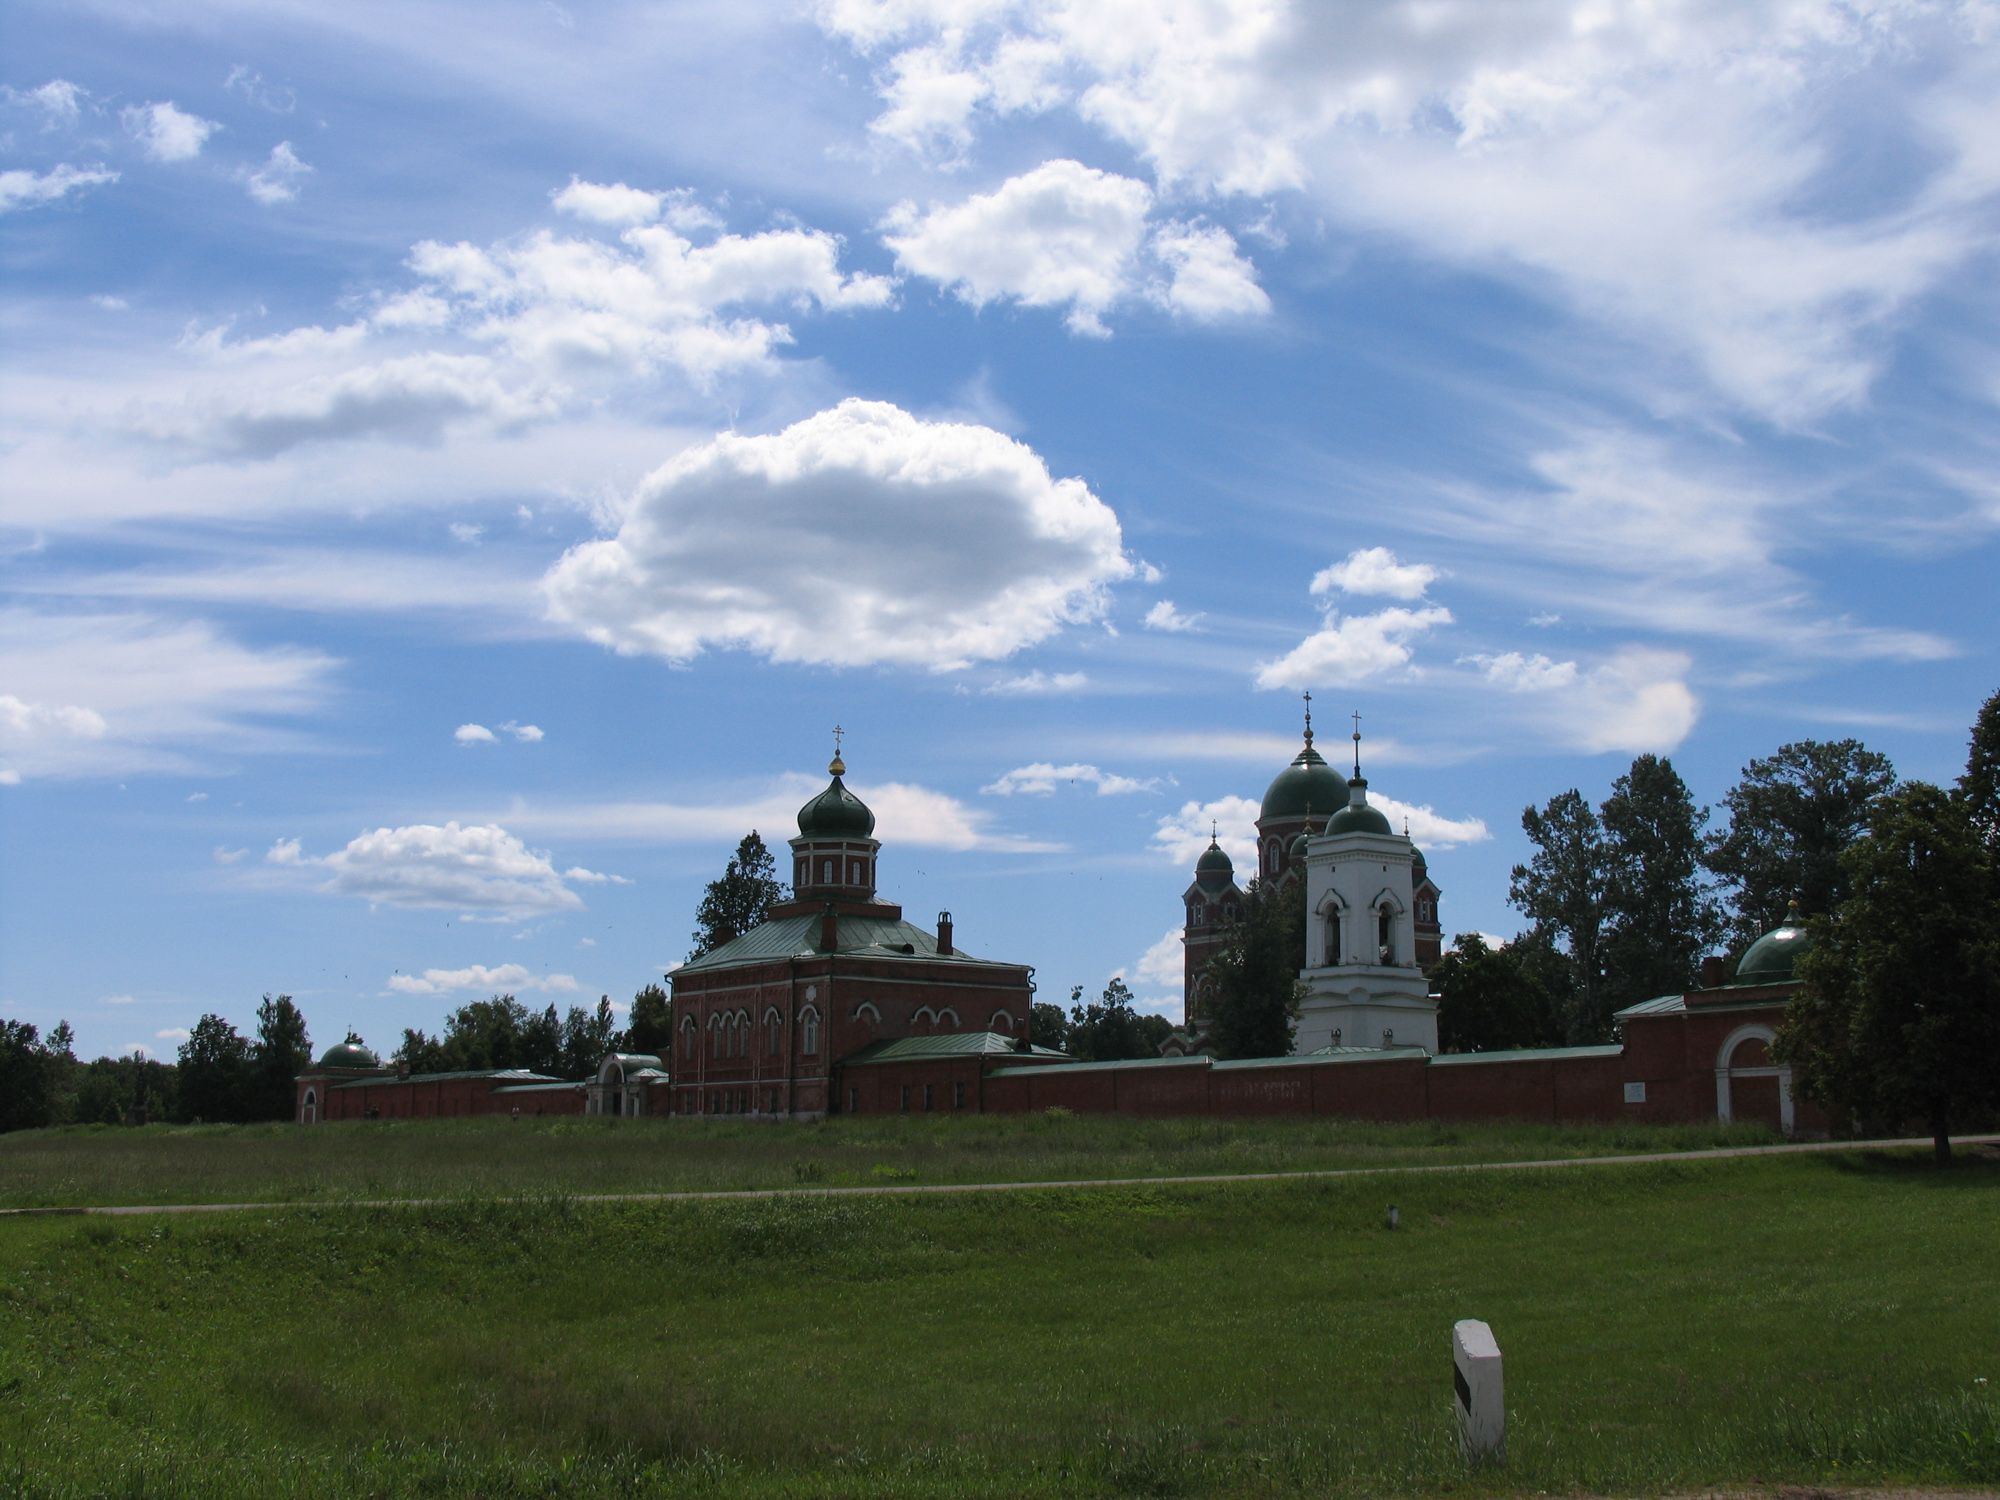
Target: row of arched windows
[[730, 1034]]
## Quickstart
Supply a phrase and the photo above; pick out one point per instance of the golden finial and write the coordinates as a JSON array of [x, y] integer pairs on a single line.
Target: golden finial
[[1357, 744], [1309, 721], [839, 767]]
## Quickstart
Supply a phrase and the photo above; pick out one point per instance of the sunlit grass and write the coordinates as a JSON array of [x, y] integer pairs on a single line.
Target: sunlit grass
[[486, 1156], [1667, 1327]]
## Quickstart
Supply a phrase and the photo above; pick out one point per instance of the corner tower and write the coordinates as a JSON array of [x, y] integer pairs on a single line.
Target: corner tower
[[1213, 903]]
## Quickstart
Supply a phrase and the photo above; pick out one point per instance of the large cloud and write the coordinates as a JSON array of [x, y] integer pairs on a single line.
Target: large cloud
[[481, 868], [1693, 170], [23, 189], [510, 978], [862, 535], [1067, 235]]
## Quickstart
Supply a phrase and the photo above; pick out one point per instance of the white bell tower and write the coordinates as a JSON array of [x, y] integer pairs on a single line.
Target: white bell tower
[[1363, 986]]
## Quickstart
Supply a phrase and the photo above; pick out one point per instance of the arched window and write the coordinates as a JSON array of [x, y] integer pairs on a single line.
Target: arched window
[[1001, 1021], [948, 1018], [311, 1111], [687, 1038], [775, 1025], [809, 1028], [826, 871], [1385, 934]]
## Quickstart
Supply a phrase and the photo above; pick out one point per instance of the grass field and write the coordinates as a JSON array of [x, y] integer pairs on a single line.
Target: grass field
[[1822, 1319], [99, 1164]]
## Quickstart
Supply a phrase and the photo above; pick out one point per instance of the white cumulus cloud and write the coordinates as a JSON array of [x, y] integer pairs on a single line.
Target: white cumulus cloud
[[1163, 616], [1163, 965], [1375, 570], [1183, 835], [1042, 778], [504, 979], [481, 868], [1525, 674], [277, 181], [1352, 649], [1067, 235], [862, 535], [166, 132], [1425, 825], [473, 734]]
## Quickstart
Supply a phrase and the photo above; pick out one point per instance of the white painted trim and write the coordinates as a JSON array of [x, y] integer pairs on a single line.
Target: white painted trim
[[1724, 1102]]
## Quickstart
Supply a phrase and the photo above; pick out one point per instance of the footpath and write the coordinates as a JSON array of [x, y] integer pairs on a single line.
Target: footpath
[[874, 1189]]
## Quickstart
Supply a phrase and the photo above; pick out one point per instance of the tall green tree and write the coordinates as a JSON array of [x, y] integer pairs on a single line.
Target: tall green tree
[[27, 1099], [587, 1035], [740, 900], [1791, 817], [1563, 890], [281, 1052], [1110, 1030], [1254, 984], [1979, 787], [1048, 1026], [650, 1031], [1661, 915], [215, 1073], [1899, 1016], [1491, 999]]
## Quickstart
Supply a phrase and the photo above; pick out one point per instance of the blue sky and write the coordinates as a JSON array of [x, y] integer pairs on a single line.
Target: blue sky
[[457, 463]]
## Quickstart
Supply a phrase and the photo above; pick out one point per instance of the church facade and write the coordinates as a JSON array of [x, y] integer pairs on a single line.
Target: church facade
[[1372, 928]]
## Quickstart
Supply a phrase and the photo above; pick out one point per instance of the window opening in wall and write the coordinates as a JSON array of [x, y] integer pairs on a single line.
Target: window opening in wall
[[774, 1101], [811, 1034], [930, 1096], [1385, 934], [906, 1098], [826, 869], [854, 1101], [958, 1096], [743, 1101]]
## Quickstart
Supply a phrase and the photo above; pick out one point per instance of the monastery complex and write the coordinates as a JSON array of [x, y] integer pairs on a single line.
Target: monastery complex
[[838, 1005]]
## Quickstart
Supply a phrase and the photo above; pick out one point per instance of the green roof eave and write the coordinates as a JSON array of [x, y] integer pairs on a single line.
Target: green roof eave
[[951, 1044], [797, 936], [1524, 1054]]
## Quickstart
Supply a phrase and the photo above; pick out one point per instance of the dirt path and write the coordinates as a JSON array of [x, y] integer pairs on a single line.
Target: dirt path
[[874, 1190]]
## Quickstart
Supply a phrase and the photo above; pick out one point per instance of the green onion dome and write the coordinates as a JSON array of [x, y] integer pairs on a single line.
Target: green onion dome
[[1358, 816], [1213, 871], [836, 812], [1771, 957], [1308, 782], [349, 1054]]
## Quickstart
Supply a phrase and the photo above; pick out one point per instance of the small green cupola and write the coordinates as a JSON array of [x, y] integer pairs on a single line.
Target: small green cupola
[[352, 1053], [1770, 959], [1358, 816], [834, 854], [1214, 872]]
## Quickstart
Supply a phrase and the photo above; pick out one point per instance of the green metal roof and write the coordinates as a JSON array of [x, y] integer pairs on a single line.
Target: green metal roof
[[537, 1088], [948, 1044], [1770, 958], [797, 936], [1660, 1005], [1328, 1055], [1524, 1054], [1130, 1062], [511, 1075]]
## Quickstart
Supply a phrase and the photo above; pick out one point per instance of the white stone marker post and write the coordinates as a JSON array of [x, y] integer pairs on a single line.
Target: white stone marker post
[[1482, 1411]]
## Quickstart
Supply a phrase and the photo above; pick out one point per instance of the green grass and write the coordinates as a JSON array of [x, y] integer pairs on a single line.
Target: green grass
[[102, 1165], [1667, 1327]]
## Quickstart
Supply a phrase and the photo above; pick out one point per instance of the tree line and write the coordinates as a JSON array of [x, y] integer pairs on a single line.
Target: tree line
[[220, 1076]]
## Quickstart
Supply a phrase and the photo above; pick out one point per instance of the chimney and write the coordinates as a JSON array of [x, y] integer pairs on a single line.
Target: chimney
[[829, 929], [944, 934], [1712, 975]]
